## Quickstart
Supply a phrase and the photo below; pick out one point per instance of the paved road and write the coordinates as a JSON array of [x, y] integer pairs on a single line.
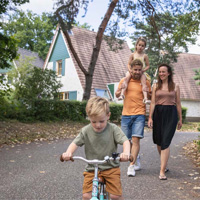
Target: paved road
[[33, 171]]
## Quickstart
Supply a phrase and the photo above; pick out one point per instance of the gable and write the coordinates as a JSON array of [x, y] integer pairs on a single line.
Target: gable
[[59, 51], [110, 67]]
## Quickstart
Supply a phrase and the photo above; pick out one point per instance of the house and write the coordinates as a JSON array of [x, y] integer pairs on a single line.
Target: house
[[38, 62], [110, 67], [189, 90]]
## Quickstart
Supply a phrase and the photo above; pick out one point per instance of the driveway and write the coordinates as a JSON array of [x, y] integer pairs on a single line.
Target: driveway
[[33, 171]]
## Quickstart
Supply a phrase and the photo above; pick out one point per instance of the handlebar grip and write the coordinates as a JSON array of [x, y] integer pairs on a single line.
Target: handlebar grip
[[62, 160]]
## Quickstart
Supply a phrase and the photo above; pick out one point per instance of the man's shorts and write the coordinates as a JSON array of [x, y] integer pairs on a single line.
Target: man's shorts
[[133, 125], [111, 177]]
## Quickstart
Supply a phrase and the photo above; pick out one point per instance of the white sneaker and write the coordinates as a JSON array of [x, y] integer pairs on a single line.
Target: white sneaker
[[137, 165], [131, 171]]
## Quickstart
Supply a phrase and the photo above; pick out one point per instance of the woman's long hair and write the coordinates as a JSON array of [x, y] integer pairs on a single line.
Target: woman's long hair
[[171, 84]]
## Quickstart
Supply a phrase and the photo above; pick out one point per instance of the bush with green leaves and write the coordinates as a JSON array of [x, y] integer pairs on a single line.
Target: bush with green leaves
[[32, 83], [184, 112]]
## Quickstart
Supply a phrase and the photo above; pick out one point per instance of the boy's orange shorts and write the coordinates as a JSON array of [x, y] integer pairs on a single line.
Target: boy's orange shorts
[[112, 178]]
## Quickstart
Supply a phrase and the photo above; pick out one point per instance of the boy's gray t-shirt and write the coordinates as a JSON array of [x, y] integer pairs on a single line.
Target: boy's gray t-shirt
[[99, 145]]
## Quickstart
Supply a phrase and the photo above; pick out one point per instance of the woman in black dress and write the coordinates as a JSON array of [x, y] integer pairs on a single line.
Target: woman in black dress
[[165, 114]]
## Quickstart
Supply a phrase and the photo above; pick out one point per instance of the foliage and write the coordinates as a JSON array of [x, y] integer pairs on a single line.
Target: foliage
[[84, 25], [55, 110], [8, 4], [197, 76], [33, 83], [8, 49], [184, 112], [4, 92], [34, 32], [165, 51], [8, 44], [45, 110], [116, 112]]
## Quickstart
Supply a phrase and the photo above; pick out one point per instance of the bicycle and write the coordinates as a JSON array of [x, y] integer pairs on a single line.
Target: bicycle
[[98, 186]]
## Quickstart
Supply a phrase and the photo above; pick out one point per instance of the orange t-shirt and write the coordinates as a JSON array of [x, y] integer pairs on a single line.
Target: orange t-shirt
[[133, 101]]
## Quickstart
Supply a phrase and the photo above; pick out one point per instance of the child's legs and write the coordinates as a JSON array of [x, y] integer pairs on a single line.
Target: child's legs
[[87, 185], [125, 83], [87, 196], [144, 86], [113, 182]]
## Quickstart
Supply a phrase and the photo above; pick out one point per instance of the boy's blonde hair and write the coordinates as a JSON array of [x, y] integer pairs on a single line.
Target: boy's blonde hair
[[97, 106]]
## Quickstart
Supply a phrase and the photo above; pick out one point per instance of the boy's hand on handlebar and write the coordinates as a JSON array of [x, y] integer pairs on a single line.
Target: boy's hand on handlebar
[[124, 157], [66, 156]]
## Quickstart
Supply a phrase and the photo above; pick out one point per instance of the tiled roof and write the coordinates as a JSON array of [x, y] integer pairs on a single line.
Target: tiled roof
[[184, 75], [38, 62], [110, 67]]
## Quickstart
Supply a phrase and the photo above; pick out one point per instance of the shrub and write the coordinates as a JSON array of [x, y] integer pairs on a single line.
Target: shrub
[[184, 112], [51, 110], [116, 112]]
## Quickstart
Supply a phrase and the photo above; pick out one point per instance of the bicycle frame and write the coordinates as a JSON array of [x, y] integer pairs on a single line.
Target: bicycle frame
[[95, 162], [95, 185]]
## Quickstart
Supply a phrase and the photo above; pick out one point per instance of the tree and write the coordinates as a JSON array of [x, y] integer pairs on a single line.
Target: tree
[[31, 82], [67, 11], [8, 44], [34, 32], [167, 50], [197, 76], [85, 25]]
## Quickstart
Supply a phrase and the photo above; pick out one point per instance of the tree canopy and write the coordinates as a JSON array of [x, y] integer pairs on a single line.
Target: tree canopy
[[33, 32], [8, 44], [167, 49]]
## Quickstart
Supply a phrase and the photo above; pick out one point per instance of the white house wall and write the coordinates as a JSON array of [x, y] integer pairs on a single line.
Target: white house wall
[[193, 108], [70, 80]]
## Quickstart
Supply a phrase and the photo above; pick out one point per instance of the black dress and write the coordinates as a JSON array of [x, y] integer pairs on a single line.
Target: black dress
[[165, 119]]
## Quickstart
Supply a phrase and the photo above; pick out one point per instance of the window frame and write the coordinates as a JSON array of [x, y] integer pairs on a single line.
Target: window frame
[[59, 67]]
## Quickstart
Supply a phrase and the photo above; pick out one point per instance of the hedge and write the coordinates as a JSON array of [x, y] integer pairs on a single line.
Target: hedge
[[51, 110]]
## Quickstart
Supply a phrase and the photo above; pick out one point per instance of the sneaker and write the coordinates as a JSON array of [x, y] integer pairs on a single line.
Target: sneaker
[[137, 165], [131, 171]]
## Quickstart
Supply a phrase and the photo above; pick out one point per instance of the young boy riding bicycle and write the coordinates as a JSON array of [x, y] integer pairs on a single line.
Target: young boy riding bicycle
[[100, 139]]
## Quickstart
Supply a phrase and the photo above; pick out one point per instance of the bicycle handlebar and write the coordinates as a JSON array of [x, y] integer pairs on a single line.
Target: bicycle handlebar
[[95, 161]]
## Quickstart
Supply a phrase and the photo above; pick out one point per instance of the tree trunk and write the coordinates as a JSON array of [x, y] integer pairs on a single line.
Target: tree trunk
[[96, 49], [88, 74]]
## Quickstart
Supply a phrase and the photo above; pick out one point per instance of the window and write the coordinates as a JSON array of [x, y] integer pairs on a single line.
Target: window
[[102, 93], [111, 88], [59, 67], [61, 96], [68, 95]]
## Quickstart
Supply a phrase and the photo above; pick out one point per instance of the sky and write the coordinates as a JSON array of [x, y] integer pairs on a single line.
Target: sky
[[96, 8]]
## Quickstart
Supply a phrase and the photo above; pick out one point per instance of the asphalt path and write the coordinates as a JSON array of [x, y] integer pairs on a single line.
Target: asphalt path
[[33, 171]]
